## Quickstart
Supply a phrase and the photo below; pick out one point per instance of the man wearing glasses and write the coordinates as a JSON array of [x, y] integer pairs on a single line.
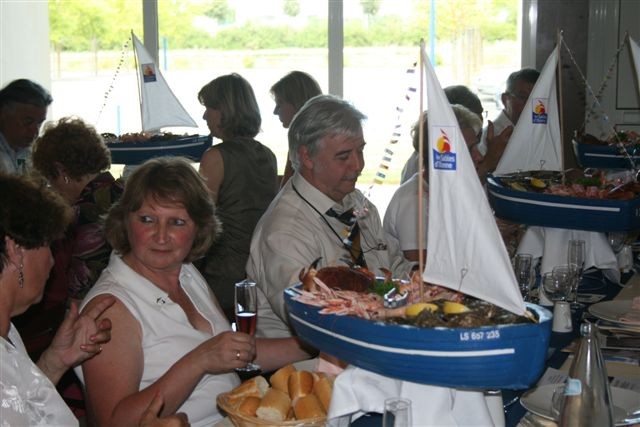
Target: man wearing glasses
[[496, 134]]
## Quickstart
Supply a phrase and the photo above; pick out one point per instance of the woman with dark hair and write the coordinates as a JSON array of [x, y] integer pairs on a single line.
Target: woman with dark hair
[[30, 218], [241, 175], [169, 335], [290, 93]]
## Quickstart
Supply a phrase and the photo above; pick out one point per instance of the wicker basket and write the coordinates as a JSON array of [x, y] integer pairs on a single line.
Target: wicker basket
[[242, 420]]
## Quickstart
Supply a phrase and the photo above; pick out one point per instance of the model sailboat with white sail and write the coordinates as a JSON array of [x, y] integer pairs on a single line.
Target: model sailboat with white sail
[[159, 108]]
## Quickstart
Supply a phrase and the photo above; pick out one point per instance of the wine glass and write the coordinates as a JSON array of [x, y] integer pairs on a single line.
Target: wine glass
[[575, 259], [246, 309], [523, 270], [616, 240], [397, 412]]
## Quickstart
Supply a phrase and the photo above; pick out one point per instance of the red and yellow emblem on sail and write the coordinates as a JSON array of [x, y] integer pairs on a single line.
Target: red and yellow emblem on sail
[[444, 149], [539, 113]]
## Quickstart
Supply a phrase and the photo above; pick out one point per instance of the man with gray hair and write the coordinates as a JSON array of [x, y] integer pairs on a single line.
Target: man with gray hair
[[23, 108], [318, 214]]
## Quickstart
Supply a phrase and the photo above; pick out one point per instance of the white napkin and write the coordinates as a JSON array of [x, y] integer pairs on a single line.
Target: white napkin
[[552, 245], [357, 391]]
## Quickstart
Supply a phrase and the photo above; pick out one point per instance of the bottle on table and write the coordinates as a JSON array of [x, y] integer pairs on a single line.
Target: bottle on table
[[587, 397]]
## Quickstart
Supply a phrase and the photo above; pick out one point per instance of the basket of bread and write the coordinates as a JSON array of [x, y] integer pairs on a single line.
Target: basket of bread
[[294, 398]]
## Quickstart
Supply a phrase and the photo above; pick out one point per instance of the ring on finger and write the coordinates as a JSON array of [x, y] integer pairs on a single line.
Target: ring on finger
[[237, 355], [99, 349]]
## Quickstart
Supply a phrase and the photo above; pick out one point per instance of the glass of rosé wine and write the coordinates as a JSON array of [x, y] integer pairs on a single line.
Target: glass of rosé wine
[[246, 309]]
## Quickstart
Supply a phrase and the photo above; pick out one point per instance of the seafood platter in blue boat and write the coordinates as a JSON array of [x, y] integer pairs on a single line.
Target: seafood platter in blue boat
[[540, 198], [621, 151], [451, 341], [136, 149]]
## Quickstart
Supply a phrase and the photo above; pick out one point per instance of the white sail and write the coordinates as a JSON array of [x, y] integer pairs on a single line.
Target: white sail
[[465, 251], [159, 107], [536, 141], [635, 56]]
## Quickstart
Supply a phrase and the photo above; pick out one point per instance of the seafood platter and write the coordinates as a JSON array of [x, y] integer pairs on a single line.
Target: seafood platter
[[619, 152], [583, 203], [441, 338], [136, 148]]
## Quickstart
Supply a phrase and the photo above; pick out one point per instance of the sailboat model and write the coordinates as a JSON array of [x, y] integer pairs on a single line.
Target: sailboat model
[[159, 108], [617, 154], [466, 254], [535, 152]]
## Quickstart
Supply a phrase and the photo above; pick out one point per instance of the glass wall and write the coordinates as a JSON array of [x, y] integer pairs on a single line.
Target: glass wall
[[475, 44]]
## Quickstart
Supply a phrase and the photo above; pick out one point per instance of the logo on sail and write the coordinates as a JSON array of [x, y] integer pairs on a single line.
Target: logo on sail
[[149, 72], [539, 111], [444, 156]]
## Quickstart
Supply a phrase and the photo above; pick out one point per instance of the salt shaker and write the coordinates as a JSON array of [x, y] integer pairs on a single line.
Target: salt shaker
[[587, 397]]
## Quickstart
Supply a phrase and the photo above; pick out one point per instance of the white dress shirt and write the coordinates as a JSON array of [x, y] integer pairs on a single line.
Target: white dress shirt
[[401, 218], [295, 231]]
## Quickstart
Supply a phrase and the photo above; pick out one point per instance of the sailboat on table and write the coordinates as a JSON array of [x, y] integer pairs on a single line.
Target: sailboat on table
[[533, 163], [465, 253], [159, 108]]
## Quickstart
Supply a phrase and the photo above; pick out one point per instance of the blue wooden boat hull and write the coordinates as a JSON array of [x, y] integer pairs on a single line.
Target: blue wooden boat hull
[[550, 210], [503, 356], [135, 153], [605, 156]]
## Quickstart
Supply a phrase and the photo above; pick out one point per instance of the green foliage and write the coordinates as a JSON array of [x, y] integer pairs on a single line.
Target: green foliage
[[76, 24], [220, 11], [291, 7], [370, 7]]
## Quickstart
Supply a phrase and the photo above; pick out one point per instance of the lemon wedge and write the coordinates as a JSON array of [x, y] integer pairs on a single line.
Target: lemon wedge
[[517, 186], [538, 183], [450, 307], [415, 309]]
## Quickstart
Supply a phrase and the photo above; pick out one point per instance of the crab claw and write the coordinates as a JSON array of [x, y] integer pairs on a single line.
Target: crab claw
[[307, 276]]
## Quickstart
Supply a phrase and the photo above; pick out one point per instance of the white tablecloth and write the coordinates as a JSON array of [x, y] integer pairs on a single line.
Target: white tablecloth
[[357, 391], [551, 244]]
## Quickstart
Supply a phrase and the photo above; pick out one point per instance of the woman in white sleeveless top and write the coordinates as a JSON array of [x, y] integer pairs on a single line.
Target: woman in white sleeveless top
[[169, 335]]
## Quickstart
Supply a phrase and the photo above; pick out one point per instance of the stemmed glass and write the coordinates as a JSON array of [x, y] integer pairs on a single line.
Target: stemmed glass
[[575, 258], [523, 269], [397, 412], [246, 309]]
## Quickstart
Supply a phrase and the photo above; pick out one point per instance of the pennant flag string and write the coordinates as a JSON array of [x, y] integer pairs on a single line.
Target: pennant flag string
[[383, 167], [107, 94]]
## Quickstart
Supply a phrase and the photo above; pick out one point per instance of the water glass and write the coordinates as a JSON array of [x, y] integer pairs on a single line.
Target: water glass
[[556, 285], [523, 269], [397, 412], [575, 258], [557, 401], [616, 240]]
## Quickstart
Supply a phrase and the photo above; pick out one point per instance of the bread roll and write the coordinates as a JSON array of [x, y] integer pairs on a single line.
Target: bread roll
[[256, 386], [279, 379], [300, 384], [308, 406], [249, 405], [274, 406], [323, 389]]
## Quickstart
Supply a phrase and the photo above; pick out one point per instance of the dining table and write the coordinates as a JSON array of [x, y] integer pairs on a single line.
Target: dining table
[[594, 287]]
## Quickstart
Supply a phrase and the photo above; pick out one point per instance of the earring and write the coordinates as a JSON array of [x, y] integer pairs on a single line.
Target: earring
[[21, 276], [66, 179]]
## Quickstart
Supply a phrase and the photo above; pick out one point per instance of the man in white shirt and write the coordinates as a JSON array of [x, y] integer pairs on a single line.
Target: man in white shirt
[[23, 108], [326, 146], [496, 134]]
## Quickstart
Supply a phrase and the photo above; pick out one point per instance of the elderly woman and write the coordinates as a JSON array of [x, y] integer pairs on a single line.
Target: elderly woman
[[401, 217], [74, 159], [290, 93], [169, 333], [241, 175], [30, 218]]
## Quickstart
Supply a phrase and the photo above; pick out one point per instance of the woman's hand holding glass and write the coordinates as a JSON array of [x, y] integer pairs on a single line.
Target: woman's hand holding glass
[[246, 309]]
